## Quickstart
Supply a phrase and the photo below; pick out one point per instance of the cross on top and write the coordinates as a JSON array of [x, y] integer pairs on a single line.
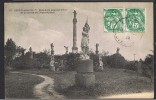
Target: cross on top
[[74, 13]]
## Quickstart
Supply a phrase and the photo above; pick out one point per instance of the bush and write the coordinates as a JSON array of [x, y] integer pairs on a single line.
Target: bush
[[24, 62], [72, 60], [148, 66], [116, 61], [131, 65]]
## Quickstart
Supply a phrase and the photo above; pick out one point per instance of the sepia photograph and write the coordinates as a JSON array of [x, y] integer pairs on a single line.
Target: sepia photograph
[[78, 50]]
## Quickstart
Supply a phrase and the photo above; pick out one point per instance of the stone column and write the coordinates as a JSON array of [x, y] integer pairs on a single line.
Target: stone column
[[52, 67], [97, 51], [74, 48]]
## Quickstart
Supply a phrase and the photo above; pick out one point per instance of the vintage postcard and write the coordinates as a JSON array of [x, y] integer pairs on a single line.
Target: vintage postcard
[[78, 50]]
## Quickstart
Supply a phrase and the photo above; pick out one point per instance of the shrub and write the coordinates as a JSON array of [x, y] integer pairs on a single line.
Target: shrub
[[116, 61], [131, 65], [72, 60], [24, 62]]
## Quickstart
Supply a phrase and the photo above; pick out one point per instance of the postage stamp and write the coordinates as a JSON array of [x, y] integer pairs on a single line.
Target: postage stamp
[[128, 20], [135, 20], [112, 20]]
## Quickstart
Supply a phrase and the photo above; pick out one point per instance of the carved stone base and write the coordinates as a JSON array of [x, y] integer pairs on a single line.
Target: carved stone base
[[74, 49], [84, 66], [52, 68], [85, 79], [85, 76]]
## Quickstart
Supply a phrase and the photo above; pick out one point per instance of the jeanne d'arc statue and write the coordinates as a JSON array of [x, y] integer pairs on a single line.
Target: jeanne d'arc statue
[[85, 41], [85, 76]]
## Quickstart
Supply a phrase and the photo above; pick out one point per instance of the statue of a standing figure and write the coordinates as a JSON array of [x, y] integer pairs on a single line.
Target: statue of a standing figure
[[66, 49], [100, 64], [117, 51], [31, 53], [85, 41], [85, 76]]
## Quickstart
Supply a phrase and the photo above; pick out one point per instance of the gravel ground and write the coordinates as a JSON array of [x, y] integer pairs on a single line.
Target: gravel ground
[[109, 82], [20, 86]]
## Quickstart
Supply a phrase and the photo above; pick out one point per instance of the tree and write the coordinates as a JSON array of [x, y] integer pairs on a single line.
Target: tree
[[105, 53], [72, 60], [9, 51], [149, 59], [20, 51], [148, 66], [47, 51], [116, 61]]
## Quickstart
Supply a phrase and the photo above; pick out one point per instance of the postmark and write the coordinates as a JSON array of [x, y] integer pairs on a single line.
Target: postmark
[[135, 20], [111, 17], [126, 39], [127, 21]]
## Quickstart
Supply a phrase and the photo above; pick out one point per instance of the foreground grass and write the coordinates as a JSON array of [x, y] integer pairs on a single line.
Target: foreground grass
[[20, 86], [109, 82]]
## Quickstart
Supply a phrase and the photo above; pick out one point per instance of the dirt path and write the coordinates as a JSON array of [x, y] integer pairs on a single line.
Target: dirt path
[[45, 89]]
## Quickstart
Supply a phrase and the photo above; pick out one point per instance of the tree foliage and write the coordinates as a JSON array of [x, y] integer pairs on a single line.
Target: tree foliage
[[72, 60], [148, 66], [9, 51], [116, 61]]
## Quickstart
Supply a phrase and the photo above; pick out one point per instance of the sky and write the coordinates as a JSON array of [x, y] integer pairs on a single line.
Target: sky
[[40, 30]]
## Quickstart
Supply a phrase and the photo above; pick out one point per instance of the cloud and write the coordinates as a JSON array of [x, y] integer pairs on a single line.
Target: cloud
[[38, 31], [33, 23], [34, 35]]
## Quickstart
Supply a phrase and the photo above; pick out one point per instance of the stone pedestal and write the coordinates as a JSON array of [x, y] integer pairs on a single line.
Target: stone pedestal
[[85, 76], [52, 68]]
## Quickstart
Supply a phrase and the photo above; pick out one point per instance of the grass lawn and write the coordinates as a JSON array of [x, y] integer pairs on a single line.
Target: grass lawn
[[20, 86], [111, 81]]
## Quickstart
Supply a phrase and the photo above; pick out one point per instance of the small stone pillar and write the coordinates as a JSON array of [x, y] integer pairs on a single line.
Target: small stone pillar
[[85, 76], [117, 51], [97, 51], [52, 67]]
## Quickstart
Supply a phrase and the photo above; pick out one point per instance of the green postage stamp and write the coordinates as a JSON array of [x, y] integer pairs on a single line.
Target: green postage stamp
[[112, 20], [135, 20], [124, 20]]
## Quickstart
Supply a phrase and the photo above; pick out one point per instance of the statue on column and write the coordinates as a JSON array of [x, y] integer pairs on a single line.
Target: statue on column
[[66, 49], [85, 41]]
